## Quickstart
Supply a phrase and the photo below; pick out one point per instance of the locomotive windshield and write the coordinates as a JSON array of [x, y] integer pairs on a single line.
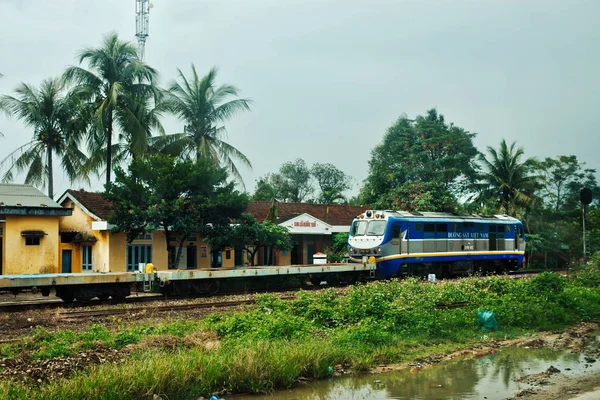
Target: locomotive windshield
[[376, 228], [358, 228], [373, 228]]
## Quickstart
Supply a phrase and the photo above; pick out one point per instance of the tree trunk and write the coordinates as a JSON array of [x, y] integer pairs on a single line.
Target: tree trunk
[[109, 132], [50, 174], [252, 255], [214, 263], [179, 251], [169, 248]]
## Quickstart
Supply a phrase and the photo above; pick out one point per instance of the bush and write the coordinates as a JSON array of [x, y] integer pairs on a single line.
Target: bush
[[589, 274]]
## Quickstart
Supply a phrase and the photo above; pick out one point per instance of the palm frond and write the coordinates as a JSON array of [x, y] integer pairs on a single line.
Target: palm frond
[[203, 107]]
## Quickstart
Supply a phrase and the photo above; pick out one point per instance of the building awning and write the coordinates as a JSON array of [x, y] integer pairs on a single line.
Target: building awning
[[33, 233], [76, 237]]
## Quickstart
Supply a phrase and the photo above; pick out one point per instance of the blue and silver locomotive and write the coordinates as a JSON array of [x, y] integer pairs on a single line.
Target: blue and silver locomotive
[[412, 243]]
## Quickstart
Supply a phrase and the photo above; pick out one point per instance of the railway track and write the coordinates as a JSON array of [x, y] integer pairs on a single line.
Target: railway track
[[25, 305], [29, 305], [101, 314]]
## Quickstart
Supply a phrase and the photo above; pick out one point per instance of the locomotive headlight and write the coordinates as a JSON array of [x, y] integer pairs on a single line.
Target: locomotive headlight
[[379, 249]]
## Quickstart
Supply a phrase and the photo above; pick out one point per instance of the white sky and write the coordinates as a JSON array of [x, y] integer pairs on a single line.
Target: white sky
[[327, 78]]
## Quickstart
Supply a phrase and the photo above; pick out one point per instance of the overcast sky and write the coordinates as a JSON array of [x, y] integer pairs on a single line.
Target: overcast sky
[[327, 78]]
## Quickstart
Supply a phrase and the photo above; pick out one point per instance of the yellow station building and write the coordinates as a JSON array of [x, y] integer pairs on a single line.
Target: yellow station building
[[29, 226]]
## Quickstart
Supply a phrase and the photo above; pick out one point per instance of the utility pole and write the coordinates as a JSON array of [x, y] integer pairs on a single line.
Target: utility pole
[[586, 198], [584, 249], [142, 12]]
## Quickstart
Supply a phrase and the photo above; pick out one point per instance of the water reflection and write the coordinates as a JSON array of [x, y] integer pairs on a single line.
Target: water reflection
[[493, 376]]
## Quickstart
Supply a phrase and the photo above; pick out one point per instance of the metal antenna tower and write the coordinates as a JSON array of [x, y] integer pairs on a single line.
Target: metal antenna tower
[[142, 11]]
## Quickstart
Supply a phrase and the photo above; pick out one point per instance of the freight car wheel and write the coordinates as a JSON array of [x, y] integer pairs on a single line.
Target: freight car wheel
[[67, 297], [213, 287], [103, 296]]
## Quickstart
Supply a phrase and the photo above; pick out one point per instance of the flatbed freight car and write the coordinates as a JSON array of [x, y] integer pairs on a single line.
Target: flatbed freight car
[[85, 286]]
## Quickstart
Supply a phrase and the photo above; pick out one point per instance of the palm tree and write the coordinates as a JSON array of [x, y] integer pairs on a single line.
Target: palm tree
[[138, 115], [115, 73], [507, 178], [203, 107], [55, 117]]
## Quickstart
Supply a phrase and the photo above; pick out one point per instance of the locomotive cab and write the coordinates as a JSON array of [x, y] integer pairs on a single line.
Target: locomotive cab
[[366, 236]]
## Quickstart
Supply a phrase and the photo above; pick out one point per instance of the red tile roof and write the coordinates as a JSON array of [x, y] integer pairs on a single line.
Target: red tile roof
[[94, 202], [333, 214]]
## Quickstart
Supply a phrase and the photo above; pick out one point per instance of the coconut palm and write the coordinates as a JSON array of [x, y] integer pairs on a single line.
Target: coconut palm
[[508, 178], [55, 116], [138, 115], [203, 107], [115, 73]]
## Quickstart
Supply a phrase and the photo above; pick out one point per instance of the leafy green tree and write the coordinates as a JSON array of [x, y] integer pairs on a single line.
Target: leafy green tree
[[564, 177], [436, 156], [508, 178], [420, 196], [182, 197], [291, 184], [560, 214], [296, 185], [332, 182], [252, 236], [338, 249], [53, 114], [268, 188], [593, 230], [203, 107], [115, 77]]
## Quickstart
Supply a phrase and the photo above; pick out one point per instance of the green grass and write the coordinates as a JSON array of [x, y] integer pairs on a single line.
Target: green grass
[[273, 344], [46, 344]]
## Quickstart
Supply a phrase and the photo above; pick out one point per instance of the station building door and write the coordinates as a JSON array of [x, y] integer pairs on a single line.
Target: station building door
[[66, 261]]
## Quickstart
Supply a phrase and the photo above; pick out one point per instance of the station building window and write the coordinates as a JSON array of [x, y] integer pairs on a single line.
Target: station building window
[[32, 241], [138, 253], [86, 258], [144, 236]]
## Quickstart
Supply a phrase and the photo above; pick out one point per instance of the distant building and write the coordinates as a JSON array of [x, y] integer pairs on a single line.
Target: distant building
[[29, 239]]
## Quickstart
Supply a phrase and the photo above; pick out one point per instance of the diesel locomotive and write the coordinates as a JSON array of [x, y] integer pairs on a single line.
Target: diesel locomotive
[[421, 243]]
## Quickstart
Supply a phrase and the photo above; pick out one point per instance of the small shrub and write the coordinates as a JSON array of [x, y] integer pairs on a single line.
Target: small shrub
[[589, 274], [53, 344], [126, 337], [546, 283]]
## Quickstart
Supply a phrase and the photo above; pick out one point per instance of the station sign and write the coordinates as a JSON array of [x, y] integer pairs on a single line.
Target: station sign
[[307, 224]]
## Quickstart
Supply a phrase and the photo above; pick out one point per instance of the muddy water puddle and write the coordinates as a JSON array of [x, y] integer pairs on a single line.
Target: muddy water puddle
[[494, 377]]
